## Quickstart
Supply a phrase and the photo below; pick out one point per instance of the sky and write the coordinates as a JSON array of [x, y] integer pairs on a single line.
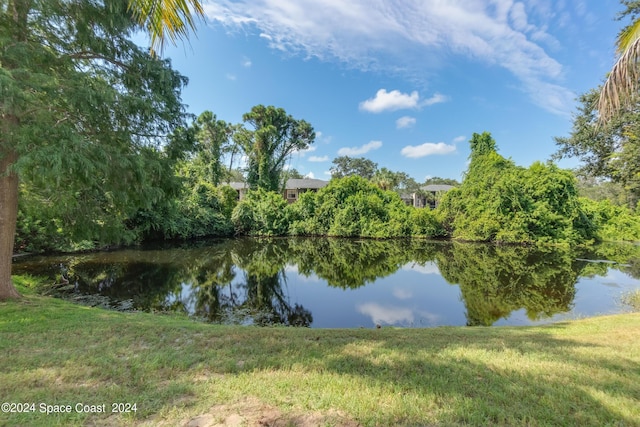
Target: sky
[[404, 83]]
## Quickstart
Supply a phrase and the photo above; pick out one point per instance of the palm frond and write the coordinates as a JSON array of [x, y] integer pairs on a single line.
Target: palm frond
[[623, 82], [166, 19]]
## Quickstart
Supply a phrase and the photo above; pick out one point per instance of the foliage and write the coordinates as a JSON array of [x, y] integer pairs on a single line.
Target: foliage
[[496, 281], [198, 210], [291, 174], [444, 181], [261, 213], [166, 19], [612, 222], [620, 90], [83, 111], [213, 142], [348, 166], [346, 263], [351, 207], [601, 189], [274, 137], [608, 149], [399, 182], [424, 223], [501, 202]]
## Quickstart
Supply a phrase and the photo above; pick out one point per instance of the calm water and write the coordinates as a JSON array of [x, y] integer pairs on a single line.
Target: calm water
[[328, 283]]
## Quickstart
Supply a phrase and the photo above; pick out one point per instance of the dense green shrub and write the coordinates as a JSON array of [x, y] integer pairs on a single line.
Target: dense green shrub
[[352, 207], [46, 223], [261, 213], [501, 202], [424, 223], [612, 222], [199, 210]]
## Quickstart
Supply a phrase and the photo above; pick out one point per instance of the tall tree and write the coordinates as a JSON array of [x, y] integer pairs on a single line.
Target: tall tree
[[214, 139], [609, 150], [444, 181], [274, 137], [291, 174], [166, 19], [349, 166], [623, 82], [80, 106], [386, 179]]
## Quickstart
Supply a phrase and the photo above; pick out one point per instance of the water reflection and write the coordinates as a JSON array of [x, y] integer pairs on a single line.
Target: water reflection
[[496, 280], [335, 282]]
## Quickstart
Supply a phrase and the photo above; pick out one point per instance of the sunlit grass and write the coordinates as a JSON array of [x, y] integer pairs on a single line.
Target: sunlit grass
[[582, 372]]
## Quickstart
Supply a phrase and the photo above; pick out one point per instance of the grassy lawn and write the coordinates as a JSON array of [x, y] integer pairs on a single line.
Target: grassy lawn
[[178, 372]]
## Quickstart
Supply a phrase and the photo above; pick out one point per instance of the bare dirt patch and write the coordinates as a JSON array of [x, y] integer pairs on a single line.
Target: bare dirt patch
[[251, 412]]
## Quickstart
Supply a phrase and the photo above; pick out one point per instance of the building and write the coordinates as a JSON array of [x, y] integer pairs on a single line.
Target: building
[[436, 191], [241, 188], [295, 187], [292, 190], [430, 196]]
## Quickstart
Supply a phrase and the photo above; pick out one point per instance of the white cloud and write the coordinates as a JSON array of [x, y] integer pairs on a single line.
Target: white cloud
[[310, 175], [328, 173], [459, 139], [427, 149], [321, 137], [426, 268], [231, 77], [246, 62], [390, 101], [395, 315], [405, 122], [386, 315], [413, 37], [319, 159], [437, 98], [356, 151], [402, 293]]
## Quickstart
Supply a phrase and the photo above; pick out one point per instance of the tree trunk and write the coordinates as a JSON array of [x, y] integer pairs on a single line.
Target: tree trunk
[[8, 218], [18, 10]]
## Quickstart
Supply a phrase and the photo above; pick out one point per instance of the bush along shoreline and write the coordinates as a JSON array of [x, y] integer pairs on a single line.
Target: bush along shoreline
[[497, 202]]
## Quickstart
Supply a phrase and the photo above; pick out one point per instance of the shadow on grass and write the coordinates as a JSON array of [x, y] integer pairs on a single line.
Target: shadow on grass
[[58, 353], [484, 381]]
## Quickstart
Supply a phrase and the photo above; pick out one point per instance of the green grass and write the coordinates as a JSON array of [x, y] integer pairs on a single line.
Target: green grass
[[584, 372]]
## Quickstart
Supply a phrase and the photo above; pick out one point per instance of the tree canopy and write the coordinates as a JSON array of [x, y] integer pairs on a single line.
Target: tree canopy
[[274, 136], [499, 201], [348, 166], [166, 19], [82, 111], [620, 90], [608, 150]]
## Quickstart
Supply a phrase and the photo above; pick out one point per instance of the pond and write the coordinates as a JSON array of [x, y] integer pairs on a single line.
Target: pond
[[331, 283]]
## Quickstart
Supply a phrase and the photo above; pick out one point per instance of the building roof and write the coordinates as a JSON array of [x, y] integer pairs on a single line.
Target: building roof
[[437, 187], [305, 183], [292, 184], [238, 185]]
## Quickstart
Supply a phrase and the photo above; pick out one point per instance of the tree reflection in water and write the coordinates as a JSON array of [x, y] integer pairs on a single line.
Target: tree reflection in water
[[245, 281]]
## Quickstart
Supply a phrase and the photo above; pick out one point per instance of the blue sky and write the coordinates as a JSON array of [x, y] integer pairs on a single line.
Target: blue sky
[[404, 83]]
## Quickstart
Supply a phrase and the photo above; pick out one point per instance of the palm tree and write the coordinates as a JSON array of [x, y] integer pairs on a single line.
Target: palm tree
[[166, 19], [385, 179], [623, 82]]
